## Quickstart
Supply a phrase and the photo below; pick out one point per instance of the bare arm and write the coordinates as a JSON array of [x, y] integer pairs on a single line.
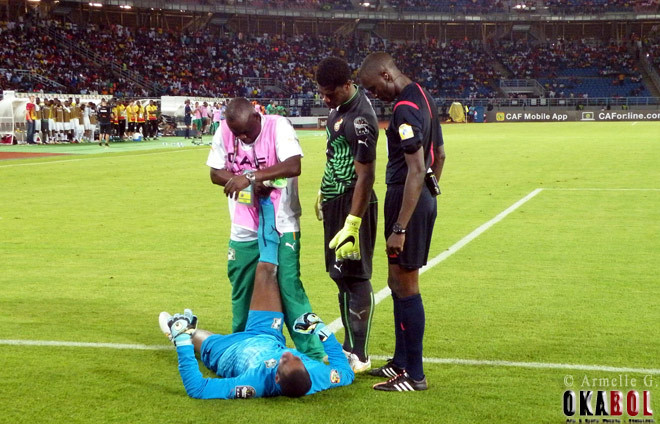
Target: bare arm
[[285, 169], [438, 161], [220, 176], [366, 175]]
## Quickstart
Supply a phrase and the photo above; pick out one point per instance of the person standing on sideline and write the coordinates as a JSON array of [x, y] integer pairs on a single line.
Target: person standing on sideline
[[104, 114], [187, 118], [45, 115], [416, 157], [249, 150], [152, 120], [348, 203], [30, 115], [37, 121], [197, 122]]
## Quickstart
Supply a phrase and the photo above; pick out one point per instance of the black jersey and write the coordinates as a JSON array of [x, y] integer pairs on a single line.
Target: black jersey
[[414, 124], [352, 132], [103, 114]]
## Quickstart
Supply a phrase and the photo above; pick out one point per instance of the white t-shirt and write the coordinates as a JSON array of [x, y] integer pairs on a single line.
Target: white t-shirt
[[286, 146]]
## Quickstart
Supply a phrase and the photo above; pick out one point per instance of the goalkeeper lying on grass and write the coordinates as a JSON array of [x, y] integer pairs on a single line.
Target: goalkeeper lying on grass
[[256, 362]]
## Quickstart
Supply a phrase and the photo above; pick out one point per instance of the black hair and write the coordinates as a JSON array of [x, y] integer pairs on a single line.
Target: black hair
[[238, 108], [333, 72], [296, 383]]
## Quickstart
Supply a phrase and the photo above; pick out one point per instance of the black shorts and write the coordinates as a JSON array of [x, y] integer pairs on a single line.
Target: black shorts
[[44, 125], [187, 120], [420, 228], [335, 212], [105, 128]]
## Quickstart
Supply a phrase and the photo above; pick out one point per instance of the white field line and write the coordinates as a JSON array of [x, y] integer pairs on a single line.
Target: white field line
[[92, 157], [385, 291], [441, 361], [600, 189], [540, 365], [84, 344]]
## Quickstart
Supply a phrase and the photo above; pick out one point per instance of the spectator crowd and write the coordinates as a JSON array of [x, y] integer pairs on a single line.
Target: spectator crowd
[[276, 66]]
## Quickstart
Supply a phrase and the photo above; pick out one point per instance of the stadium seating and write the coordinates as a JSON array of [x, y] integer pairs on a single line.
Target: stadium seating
[[581, 68], [274, 66], [522, 6]]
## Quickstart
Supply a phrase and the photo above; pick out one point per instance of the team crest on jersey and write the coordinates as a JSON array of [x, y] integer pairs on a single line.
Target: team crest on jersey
[[361, 126], [338, 124], [277, 323], [405, 132], [334, 377], [231, 254], [245, 392], [270, 363]]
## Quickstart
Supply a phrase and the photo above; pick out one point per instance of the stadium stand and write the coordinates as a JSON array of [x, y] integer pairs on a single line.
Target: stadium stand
[[208, 65], [559, 7], [579, 68], [58, 55]]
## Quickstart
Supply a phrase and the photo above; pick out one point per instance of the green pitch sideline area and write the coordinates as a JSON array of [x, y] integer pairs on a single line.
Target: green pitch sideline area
[[52, 151], [543, 279]]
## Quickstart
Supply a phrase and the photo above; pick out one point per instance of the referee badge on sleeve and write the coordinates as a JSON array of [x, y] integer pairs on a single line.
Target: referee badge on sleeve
[[334, 377], [405, 131]]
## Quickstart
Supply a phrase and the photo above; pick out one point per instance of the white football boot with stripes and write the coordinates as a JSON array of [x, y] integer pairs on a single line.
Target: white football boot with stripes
[[388, 370], [402, 383]]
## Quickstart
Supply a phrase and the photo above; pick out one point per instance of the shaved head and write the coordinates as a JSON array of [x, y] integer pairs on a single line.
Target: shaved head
[[380, 76], [376, 63], [243, 121], [239, 109]]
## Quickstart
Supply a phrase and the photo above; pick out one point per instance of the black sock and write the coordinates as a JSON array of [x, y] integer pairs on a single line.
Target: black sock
[[343, 310], [413, 323], [400, 357], [360, 313]]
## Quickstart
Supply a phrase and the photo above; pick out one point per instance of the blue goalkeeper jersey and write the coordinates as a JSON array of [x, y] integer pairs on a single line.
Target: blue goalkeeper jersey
[[248, 362]]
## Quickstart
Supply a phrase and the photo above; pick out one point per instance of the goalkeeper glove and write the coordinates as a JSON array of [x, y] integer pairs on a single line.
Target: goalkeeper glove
[[182, 327], [310, 323], [318, 206], [347, 241], [276, 183]]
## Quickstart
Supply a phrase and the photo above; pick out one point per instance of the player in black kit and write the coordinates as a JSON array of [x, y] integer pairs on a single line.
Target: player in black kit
[[415, 160], [348, 204], [104, 115]]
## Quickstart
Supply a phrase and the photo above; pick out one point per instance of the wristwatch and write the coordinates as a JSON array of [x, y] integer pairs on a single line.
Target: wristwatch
[[250, 176], [398, 229]]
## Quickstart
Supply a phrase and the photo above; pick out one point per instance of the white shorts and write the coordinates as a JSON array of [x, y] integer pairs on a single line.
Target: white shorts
[[67, 126], [51, 125], [92, 128], [59, 126], [86, 123], [37, 125], [75, 122]]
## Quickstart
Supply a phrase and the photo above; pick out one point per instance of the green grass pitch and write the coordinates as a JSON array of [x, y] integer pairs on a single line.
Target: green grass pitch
[[94, 246]]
